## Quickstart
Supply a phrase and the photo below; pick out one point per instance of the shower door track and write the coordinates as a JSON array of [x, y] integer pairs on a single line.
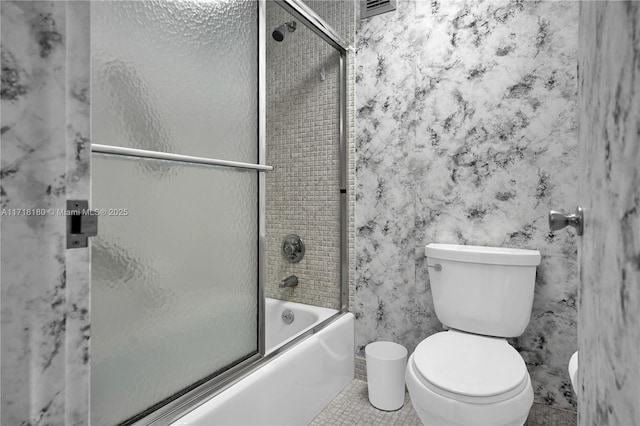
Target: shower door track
[[167, 156]]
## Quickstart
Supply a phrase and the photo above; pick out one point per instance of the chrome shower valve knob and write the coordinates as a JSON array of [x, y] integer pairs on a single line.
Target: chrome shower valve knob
[[293, 248]]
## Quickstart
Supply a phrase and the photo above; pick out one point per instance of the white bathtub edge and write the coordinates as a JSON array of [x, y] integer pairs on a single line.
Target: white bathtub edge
[[291, 389]]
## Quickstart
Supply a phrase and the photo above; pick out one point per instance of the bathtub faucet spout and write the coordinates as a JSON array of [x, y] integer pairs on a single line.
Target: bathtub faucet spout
[[290, 281]]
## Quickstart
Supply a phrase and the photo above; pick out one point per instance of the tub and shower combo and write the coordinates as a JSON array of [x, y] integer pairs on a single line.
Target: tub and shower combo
[[298, 383], [213, 123]]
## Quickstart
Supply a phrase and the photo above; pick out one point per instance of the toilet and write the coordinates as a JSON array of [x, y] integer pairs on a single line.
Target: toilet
[[470, 375]]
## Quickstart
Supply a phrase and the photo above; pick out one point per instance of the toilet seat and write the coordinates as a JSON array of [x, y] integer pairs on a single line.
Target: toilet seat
[[433, 408], [470, 368]]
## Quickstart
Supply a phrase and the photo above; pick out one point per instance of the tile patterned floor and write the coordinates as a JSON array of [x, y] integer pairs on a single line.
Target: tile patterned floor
[[352, 408]]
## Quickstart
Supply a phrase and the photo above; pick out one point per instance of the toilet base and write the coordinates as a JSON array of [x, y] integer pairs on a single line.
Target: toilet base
[[435, 409]]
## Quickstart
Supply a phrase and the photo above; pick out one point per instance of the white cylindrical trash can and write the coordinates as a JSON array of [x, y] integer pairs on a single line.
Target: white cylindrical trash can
[[386, 364]]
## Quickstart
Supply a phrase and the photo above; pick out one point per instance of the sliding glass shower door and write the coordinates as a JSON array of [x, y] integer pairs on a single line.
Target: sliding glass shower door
[[175, 291]]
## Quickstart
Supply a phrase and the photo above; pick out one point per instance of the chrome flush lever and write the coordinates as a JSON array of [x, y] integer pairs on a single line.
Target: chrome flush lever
[[558, 220], [437, 267]]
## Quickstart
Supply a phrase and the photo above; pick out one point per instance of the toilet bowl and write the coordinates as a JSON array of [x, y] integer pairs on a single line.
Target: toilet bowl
[[457, 378], [470, 375]]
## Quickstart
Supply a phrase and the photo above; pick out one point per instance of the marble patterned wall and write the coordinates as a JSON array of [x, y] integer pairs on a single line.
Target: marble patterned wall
[[45, 160], [609, 158], [467, 133]]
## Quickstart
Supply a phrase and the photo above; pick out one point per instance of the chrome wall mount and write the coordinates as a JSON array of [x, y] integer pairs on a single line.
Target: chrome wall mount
[[293, 248], [559, 220]]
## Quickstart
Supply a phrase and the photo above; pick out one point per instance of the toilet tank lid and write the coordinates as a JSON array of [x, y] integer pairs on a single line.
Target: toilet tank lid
[[481, 254]]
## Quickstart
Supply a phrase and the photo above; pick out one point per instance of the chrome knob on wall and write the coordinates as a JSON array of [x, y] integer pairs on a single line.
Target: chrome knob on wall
[[293, 248], [558, 220]]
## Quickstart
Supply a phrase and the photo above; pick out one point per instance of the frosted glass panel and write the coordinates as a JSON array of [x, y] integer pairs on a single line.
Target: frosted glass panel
[[176, 76], [174, 281]]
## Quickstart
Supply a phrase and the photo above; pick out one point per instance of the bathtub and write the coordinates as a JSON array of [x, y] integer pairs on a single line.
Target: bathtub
[[297, 383]]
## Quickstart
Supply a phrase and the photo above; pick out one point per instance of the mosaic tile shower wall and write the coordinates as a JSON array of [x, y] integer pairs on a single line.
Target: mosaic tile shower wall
[[303, 145], [467, 134]]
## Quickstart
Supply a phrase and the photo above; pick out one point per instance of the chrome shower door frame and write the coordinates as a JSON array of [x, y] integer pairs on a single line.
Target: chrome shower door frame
[[177, 408], [314, 22]]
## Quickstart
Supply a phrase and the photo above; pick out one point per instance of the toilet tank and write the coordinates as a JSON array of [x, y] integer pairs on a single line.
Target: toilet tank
[[482, 290]]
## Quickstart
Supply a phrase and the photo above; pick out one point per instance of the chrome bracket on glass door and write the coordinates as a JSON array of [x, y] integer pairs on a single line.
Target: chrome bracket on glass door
[[82, 223]]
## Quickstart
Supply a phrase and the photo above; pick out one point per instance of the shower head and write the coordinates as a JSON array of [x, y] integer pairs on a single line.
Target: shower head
[[278, 33]]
